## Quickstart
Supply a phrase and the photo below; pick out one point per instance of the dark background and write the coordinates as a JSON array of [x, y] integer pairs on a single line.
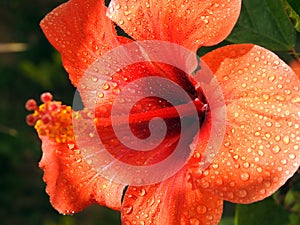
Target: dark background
[[26, 71]]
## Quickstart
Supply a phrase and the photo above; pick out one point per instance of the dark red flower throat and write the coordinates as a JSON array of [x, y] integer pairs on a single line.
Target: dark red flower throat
[[183, 126]]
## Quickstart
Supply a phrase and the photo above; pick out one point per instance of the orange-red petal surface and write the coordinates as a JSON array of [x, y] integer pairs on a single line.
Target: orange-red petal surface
[[81, 32], [261, 145], [295, 65], [71, 182], [173, 202], [191, 23]]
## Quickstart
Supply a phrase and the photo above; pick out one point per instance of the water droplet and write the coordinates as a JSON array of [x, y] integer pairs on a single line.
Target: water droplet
[[79, 160], [284, 161], [95, 79], [151, 201], [230, 195], [219, 182], [245, 176], [246, 165], [197, 155], [262, 191], [257, 133], [242, 193], [269, 124], [227, 144], [267, 183], [266, 96], [204, 184], [225, 77], [215, 166], [194, 221], [259, 169], [276, 149], [292, 156], [209, 217], [236, 157], [271, 78], [101, 95], [142, 192], [286, 139], [287, 91], [105, 86], [296, 99], [127, 209], [71, 146], [201, 209]]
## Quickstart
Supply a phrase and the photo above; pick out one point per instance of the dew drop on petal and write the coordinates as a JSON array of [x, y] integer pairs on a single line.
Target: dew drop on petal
[[296, 99], [246, 165], [127, 209], [219, 182], [245, 176], [284, 161], [201, 209], [292, 156], [242, 193], [106, 86], [276, 149], [194, 221], [209, 217], [142, 192], [151, 201], [267, 183], [286, 139]]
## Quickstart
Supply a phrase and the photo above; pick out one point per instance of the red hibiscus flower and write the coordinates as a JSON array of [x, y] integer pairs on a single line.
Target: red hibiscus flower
[[260, 149]]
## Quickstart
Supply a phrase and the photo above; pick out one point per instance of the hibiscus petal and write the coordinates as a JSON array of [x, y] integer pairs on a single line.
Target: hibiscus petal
[[261, 145], [295, 65], [174, 201], [188, 23], [81, 32], [71, 182]]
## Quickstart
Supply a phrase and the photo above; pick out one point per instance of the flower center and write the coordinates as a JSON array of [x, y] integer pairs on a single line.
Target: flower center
[[178, 119]]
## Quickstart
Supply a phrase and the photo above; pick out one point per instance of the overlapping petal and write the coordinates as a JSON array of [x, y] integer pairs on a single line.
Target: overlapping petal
[[81, 32], [261, 145], [174, 201], [189, 23], [72, 182]]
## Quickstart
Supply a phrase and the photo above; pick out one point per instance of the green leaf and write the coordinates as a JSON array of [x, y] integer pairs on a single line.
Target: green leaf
[[265, 212], [295, 4], [227, 221], [265, 23], [292, 8]]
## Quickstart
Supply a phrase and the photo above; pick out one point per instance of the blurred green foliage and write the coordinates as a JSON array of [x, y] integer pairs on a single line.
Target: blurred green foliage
[[27, 74]]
